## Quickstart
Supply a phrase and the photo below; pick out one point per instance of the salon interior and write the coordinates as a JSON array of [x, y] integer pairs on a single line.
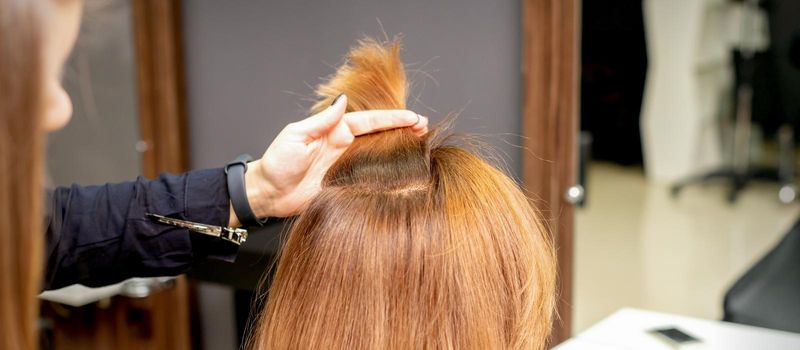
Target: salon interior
[[656, 137]]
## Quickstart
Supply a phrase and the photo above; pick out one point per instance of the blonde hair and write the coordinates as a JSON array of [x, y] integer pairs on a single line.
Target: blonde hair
[[411, 243], [21, 152]]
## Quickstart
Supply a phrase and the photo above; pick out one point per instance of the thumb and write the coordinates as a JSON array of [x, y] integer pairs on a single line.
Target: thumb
[[320, 124]]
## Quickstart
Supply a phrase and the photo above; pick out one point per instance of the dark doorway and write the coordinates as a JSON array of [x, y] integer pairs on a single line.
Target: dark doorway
[[613, 71]]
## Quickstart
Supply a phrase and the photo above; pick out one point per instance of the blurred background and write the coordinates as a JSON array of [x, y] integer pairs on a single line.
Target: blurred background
[[657, 136]]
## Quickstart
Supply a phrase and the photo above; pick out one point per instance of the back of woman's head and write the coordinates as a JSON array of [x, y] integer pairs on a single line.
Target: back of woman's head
[[411, 243]]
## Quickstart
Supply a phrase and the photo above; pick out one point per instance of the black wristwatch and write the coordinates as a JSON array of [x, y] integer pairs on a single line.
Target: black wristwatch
[[238, 192]]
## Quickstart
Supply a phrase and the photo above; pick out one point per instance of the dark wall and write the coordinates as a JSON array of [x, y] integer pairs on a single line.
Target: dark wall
[[784, 17], [775, 81], [251, 65]]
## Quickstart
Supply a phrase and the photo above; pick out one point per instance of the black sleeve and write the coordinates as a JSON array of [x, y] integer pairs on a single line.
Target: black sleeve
[[99, 235]]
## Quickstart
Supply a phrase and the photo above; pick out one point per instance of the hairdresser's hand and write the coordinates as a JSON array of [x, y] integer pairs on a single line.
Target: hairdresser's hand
[[291, 170]]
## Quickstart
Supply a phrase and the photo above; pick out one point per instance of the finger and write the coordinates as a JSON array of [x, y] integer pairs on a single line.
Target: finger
[[420, 126], [320, 124], [341, 136], [365, 122]]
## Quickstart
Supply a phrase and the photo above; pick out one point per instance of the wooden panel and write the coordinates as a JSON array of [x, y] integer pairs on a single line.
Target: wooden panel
[[160, 82], [159, 321], [549, 126], [162, 126]]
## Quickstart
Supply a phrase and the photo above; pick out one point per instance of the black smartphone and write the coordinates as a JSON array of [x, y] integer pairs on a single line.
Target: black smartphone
[[673, 336]]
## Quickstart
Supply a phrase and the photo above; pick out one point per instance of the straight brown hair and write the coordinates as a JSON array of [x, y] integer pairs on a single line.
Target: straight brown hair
[[411, 243], [21, 145]]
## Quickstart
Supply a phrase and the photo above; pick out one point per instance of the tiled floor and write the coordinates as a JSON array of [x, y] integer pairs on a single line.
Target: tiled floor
[[637, 246]]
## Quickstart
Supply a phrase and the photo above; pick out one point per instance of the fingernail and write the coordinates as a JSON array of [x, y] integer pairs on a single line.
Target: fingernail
[[337, 99]]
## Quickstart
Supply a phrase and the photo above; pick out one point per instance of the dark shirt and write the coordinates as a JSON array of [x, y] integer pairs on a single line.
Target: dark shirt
[[99, 235]]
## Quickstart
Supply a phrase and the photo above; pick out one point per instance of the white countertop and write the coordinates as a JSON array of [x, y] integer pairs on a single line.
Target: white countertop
[[628, 329]]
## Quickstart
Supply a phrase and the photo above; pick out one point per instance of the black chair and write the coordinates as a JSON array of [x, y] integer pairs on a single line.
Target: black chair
[[768, 295], [767, 86]]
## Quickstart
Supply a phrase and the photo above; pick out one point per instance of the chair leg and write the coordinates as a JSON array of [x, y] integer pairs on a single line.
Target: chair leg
[[786, 163]]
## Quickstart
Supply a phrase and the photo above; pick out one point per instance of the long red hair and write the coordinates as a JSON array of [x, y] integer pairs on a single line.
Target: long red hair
[[411, 243]]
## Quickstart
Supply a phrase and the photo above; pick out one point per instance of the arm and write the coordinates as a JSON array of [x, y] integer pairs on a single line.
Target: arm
[[99, 235]]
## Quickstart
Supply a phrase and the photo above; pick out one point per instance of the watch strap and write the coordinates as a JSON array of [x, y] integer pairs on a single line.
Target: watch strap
[[238, 192]]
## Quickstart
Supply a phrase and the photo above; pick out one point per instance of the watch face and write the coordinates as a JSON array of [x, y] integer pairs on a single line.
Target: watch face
[[673, 335]]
